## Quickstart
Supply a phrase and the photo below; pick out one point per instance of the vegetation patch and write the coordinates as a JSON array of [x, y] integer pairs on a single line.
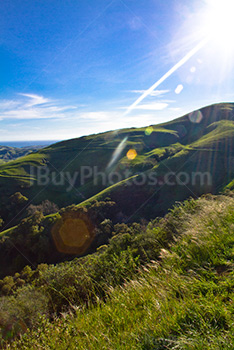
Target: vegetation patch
[[170, 283]]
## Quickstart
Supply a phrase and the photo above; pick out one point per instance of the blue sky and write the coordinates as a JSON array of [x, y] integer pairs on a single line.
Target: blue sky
[[74, 67]]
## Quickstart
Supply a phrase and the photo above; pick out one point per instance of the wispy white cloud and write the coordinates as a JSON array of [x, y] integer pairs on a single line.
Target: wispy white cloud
[[8, 104], [155, 106], [80, 124], [35, 100], [152, 106], [154, 93], [31, 106], [110, 120], [97, 116], [175, 109], [70, 121]]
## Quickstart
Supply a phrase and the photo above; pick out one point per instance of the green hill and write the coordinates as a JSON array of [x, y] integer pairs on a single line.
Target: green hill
[[205, 165], [73, 171], [167, 286], [122, 176]]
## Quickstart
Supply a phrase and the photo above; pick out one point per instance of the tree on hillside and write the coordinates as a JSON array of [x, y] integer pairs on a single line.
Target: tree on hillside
[[17, 199], [46, 208]]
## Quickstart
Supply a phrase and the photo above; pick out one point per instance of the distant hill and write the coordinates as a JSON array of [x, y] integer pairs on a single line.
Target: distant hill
[[11, 153]]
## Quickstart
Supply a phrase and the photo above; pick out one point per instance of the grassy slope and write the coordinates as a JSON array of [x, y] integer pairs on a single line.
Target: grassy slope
[[212, 154], [95, 150], [183, 302], [179, 146], [201, 140]]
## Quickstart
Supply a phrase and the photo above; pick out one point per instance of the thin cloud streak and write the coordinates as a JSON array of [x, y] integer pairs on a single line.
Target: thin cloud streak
[[32, 106], [35, 99], [152, 106], [80, 124], [158, 106], [154, 93]]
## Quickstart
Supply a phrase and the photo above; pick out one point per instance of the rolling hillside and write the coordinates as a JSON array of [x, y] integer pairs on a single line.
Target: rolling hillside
[[99, 245], [96, 166], [130, 175]]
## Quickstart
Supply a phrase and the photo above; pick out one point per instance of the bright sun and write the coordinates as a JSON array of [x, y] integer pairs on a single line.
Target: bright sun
[[219, 23]]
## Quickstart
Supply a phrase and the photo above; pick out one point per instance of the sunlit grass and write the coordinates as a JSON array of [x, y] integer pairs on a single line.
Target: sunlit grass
[[183, 302]]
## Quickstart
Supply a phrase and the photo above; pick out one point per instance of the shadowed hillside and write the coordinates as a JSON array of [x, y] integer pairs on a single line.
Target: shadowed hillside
[[73, 171], [120, 177], [168, 285]]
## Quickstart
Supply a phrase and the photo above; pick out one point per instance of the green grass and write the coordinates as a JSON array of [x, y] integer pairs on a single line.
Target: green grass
[[8, 231], [183, 301], [219, 132], [230, 185]]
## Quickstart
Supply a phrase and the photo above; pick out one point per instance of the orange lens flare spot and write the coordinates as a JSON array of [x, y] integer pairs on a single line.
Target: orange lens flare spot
[[73, 233], [132, 153]]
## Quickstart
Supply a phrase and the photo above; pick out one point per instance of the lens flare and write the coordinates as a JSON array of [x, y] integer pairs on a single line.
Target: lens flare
[[171, 71], [132, 153], [218, 23], [195, 117], [149, 130], [73, 233], [117, 152], [179, 89]]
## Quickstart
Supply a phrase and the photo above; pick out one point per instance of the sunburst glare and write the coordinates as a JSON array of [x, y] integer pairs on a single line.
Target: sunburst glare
[[218, 24]]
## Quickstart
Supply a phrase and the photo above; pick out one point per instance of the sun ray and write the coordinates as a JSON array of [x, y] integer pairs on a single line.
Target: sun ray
[[189, 55]]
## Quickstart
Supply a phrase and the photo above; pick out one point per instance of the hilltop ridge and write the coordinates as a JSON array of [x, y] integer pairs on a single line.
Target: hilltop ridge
[[200, 134]]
